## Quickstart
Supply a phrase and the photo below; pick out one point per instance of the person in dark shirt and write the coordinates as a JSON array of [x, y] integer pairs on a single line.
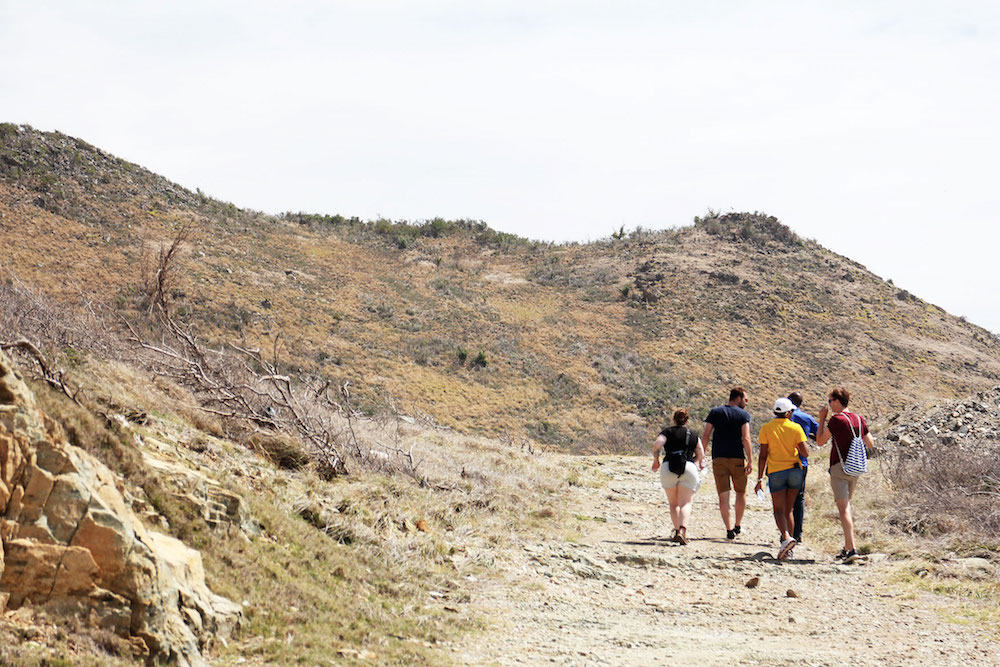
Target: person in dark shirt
[[729, 428], [842, 428], [680, 488], [809, 426]]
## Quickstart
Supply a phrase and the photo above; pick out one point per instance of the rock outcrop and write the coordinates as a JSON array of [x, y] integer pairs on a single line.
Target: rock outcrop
[[71, 544], [967, 423]]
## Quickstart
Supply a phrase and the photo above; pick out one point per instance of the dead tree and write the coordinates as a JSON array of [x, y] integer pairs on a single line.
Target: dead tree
[[158, 275], [238, 383], [54, 377]]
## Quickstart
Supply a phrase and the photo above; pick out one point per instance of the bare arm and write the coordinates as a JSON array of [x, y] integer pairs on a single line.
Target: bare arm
[[699, 455], [747, 451], [762, 466], [657, 446], [706, 437], [869, 441], [803, 449], [823, 434]]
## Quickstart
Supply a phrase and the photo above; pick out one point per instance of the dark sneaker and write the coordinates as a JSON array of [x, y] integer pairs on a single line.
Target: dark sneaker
[[736, 529], [730, 534], [852, 557], [842, 555]]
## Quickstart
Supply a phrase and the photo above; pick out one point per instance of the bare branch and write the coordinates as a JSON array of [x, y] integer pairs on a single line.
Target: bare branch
[[52, 378]]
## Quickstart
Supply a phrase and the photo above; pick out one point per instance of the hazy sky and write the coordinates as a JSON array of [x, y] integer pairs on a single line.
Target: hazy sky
[[872, 127]]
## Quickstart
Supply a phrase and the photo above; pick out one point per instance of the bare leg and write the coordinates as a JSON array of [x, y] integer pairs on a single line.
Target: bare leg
[[781, 512], [741, 506], [847, 522], [724, 507], [790, 495], [675, 512], [684, 498]]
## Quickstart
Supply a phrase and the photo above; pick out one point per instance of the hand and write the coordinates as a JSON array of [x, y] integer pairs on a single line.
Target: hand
[[656, 464], [760, 485], [748, 468], [823, 412]]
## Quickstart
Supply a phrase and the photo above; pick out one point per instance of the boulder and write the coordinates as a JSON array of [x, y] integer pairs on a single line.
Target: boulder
[[71, 544]]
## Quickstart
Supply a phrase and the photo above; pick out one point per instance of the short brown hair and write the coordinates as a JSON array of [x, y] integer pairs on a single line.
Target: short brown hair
[[841, 394], [796, 398], [736, 392], [681, 416]]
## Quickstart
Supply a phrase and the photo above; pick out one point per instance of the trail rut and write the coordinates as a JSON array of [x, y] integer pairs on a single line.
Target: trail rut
[[619, 593]]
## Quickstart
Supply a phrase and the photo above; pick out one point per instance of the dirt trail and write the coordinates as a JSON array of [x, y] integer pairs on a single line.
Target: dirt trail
[[621, 594]]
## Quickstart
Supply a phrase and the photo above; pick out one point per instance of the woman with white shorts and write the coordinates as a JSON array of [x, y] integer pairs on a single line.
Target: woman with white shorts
[[681, 446]]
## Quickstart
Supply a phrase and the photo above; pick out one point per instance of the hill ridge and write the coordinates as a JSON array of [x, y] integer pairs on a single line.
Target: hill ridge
[[574, 345]]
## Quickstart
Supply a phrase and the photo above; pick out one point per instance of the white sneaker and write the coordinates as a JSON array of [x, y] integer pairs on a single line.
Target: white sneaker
[[786, 548]]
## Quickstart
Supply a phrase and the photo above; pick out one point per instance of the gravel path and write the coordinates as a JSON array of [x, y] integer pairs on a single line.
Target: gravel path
[[619, 593]]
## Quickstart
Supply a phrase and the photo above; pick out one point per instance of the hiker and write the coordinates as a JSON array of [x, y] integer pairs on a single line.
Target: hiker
[[729, 428], [782, 446], [809, 427], [683, 458], [842, 428]]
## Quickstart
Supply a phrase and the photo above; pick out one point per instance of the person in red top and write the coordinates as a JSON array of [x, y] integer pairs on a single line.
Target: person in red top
[[842, 427]]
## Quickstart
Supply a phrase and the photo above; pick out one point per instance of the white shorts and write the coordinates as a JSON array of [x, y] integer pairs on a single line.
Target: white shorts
[[689, 480]]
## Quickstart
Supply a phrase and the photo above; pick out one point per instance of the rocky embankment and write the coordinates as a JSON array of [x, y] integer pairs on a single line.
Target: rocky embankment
[[969, 422], [72, 545]]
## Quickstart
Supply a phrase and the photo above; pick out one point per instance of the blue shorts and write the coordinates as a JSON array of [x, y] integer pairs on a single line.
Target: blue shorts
[[785, 479]]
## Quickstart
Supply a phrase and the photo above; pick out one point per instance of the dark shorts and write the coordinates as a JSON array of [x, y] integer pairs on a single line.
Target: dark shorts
[[785, 479], [725, 470]]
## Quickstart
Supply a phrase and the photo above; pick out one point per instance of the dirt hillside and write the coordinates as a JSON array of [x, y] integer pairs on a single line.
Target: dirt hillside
[[575, 346]]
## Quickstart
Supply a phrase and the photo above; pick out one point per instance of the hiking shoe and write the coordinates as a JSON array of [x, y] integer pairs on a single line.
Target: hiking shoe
[[852, 557], [842, 555], [786, 548], [682, 535], [676, 536], [736, 529], [730, 534]]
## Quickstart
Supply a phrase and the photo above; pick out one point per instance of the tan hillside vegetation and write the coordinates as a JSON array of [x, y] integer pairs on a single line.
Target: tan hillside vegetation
[[581, 346], [205, 352]]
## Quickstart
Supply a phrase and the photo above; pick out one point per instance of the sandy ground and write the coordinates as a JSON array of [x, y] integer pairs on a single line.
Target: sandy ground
[[618, 592]]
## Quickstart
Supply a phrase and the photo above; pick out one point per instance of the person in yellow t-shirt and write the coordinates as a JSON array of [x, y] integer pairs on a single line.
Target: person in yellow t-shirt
[[782, 441]]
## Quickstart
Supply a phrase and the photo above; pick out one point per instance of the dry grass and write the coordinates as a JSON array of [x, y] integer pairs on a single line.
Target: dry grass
[[32, 638], [946, 490], [574, 360], [376, 563], [348, 305], [915, 512]]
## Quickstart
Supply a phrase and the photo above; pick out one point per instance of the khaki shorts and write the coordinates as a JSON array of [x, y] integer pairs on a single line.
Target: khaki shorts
[[841, 483], [730, 469], [689, 480]]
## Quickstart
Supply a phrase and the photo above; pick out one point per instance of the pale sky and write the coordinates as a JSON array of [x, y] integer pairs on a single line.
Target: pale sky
[[872, 127]]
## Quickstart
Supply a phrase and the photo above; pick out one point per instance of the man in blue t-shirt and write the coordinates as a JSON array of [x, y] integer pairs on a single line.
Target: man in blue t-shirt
[[810, 426], [728, 426]]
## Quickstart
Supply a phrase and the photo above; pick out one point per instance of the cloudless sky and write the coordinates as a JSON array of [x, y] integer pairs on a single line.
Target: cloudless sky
[[871, 127]]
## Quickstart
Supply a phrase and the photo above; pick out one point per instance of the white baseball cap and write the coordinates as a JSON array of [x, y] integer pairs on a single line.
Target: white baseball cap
[[783, 405]]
